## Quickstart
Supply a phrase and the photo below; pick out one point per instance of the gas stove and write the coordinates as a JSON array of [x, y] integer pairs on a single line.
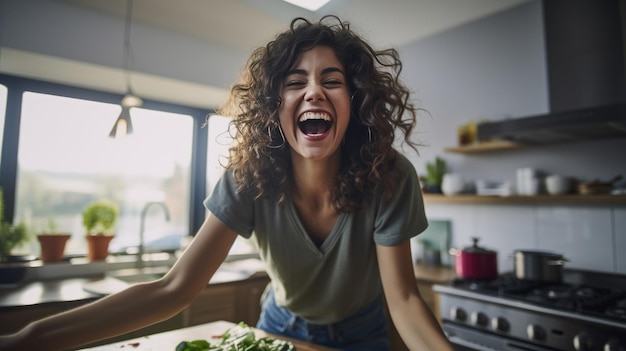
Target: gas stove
[[586, 311]]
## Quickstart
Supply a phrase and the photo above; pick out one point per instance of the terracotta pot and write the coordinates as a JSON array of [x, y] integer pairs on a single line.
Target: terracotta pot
[[475, 262], [53, 247], [98, 246]]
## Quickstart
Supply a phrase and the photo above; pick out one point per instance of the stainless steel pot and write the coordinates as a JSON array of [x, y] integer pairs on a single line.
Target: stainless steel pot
[[539, 265]]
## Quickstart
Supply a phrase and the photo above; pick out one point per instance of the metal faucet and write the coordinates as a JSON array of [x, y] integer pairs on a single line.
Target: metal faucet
[[144, 211]]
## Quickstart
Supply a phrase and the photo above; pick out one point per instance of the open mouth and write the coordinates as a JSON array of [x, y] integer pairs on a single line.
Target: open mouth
[[311, 123]]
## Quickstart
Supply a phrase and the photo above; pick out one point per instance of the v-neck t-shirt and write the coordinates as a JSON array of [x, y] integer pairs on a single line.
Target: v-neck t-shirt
[[327, 283]]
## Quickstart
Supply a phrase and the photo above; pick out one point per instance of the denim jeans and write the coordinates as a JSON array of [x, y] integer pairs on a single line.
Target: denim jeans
[[366, 330]]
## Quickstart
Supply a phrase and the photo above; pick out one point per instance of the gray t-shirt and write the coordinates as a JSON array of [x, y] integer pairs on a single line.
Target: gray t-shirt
[[323, 284]]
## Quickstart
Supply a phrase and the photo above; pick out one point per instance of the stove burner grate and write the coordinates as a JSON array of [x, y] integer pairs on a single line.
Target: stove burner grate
[[583, 299]]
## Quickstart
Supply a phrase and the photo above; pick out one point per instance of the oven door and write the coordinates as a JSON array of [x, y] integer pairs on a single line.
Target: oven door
[[468, 339]]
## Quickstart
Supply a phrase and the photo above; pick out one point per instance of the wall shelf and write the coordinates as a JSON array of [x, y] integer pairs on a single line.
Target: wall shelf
[[573, 199], [487, 146]]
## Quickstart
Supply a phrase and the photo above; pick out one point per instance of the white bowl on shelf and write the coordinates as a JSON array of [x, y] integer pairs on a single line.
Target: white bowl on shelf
[[557, 184], [452, 184]]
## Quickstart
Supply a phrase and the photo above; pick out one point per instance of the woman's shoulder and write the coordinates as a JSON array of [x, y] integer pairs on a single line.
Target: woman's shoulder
[[404, 165]]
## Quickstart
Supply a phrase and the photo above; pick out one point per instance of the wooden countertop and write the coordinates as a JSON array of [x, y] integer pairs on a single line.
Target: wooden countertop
[[169, 340], [435, 275]]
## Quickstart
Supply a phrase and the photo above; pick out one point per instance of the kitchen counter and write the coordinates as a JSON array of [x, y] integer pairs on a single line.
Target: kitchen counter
[[47, 291], [72, 290], [85, 289], [169, 340], [435, 275]]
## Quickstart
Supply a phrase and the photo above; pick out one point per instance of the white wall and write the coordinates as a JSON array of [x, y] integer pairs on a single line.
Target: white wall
[[491, 69]]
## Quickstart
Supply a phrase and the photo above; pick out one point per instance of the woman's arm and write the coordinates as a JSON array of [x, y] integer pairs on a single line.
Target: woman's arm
[[413, 319], [139, 305]]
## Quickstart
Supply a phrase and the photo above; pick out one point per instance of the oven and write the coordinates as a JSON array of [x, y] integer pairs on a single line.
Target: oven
[[586, 311]]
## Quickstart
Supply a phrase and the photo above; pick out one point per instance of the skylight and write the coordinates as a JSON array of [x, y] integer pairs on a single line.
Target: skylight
[[311, 5]]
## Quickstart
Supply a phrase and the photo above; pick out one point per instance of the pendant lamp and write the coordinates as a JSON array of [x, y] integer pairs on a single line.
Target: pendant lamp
[[123, 125]]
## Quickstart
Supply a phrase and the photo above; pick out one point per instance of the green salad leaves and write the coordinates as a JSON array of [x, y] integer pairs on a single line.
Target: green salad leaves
[[238, 338]]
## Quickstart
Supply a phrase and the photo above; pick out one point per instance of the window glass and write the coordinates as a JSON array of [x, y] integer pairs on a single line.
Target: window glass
[[3, 111], [67, 160], [219, 141]]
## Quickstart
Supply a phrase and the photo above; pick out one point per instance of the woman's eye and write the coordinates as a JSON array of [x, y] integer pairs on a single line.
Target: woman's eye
[[294, 83], [333, 82]]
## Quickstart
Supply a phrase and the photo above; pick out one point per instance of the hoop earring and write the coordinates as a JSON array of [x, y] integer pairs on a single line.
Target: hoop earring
[[369, 134], [269, 132]]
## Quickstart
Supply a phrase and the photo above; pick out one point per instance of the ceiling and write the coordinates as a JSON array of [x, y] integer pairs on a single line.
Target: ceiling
[[246, 24], [241, 26]]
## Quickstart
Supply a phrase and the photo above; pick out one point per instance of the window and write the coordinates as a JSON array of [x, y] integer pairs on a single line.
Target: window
[[66, 160], [219, 141], [3, 105]]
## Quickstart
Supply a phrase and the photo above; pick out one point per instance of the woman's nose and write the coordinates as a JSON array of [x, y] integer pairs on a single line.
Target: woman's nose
[[314, 92]]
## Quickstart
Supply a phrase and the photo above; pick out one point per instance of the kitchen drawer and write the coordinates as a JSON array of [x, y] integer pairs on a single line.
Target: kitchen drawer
[[217, 302], [14, 319]]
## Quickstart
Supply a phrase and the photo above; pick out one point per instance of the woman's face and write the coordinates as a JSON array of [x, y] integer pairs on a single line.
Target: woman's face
[[315, 108]]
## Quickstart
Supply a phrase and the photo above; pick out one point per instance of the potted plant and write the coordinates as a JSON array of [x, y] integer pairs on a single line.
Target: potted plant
[[11, 236], [99, 219], [434, 175], [52, 243]]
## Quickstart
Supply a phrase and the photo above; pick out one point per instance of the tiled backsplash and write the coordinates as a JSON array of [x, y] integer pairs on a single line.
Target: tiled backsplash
[[590, 237]]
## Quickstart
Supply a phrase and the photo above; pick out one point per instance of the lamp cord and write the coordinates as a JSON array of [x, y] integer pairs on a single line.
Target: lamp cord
[[127, 50]]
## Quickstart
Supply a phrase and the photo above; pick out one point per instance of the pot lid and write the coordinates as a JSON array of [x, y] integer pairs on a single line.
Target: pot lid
[[537, 253], [477, 249]]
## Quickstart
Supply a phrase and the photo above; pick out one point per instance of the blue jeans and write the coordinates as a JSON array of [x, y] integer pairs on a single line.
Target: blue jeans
[[366, 330]]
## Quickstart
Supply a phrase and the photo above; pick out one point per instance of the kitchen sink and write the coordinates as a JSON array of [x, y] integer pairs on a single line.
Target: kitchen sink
[[120, 279], [142, 275]]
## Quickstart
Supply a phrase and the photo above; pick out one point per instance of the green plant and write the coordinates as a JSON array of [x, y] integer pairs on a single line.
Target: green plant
[[435, 171], [100, 217], [50, 227], [11, 236]]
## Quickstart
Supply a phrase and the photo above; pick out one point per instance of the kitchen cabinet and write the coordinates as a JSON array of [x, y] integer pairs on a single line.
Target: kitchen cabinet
[[19, 317], [237, 301]]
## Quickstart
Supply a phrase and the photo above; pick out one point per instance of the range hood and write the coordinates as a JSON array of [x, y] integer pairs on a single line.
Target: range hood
[[586, 64]]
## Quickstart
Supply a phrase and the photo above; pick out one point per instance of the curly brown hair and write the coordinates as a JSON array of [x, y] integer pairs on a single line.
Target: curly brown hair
[[260, 158]]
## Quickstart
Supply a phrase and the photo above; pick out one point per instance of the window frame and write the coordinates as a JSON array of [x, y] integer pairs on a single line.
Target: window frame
[[16, 86]]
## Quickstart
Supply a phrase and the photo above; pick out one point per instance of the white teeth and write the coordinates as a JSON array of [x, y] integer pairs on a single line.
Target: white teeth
[[313, 115]]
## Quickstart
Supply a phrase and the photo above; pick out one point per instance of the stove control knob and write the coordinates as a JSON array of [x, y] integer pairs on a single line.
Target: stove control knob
[[458, 314], [500, 324], [535, 332], [613, 345], [582, 342], [479, 319]]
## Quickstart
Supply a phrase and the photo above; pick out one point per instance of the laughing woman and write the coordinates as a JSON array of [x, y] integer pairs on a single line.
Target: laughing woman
[[314, 181]]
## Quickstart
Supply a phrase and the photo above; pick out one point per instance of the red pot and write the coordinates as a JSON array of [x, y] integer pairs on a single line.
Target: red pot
[[475, 262]]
